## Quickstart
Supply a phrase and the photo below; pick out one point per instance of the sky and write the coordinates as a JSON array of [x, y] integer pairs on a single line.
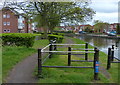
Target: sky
[[106, 10]]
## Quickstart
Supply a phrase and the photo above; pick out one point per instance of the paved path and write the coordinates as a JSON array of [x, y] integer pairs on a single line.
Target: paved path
[[23, 71]]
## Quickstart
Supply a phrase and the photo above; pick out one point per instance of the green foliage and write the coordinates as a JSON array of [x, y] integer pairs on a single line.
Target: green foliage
[[88, 29], [61, 34], [51, 14], [100, 26], [59, 38], [48, 15], [19, 39], [118, 29]]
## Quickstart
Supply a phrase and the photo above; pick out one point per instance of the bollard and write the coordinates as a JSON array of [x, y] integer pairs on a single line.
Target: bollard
[[96, 64], [112, 53], [39, 63], [109, 59], [86, 54], [69, 56]]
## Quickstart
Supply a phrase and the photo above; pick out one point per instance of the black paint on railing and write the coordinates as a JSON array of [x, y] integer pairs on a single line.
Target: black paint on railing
[[111, 57], [51, 47]]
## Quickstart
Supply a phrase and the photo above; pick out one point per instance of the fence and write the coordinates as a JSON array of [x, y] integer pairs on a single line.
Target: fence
[[111, 57], [53, 49]]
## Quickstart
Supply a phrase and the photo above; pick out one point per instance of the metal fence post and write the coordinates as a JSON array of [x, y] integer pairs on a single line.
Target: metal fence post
[[39, 63], [96, 64], [94, 56], [109, 59], [69, 56], [112, 53], [86, 54]]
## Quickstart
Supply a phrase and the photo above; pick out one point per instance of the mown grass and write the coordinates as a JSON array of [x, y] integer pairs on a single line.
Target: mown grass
[[74, 75], [11, 55]]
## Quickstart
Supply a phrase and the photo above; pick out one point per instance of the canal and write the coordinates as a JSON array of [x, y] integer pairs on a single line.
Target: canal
[[102, 43]]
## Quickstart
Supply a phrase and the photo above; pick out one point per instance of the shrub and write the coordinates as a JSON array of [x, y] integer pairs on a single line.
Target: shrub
[[61, 34], [18, 39], [58, 38]]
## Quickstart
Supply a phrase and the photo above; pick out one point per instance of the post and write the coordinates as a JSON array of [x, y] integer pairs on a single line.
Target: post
[[69, 56], [96, 64], [112, 53], [94, 56], [86, 54], [39, 63], [50, 49], [109, 59]]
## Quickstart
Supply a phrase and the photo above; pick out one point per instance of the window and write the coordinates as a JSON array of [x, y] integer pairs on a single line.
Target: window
[[8, 30], [4, 30], [4, 23], [4, 16], [8, 23], [8, 16]]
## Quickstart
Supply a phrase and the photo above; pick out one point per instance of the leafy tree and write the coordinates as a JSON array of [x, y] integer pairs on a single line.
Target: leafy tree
[[118, 29], [48, 15], [100, 26], [88, 29]]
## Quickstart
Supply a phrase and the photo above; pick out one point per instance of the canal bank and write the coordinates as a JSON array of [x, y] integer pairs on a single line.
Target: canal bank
[[103, 43], [102, 36]]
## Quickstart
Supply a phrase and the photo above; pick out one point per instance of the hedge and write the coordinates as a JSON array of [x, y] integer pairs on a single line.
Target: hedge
[[61, 34], [18, 39], [58, 37]]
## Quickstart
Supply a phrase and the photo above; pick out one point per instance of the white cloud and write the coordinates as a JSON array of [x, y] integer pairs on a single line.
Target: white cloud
[[107, 6], [107, 17], [106, 10]]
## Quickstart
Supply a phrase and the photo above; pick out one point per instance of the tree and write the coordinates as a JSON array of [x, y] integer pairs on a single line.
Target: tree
[[100, 26], [88, 29], [118, 29], [50, 14]]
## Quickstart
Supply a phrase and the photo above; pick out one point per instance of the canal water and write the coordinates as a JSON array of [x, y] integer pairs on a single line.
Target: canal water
[[103, 43]]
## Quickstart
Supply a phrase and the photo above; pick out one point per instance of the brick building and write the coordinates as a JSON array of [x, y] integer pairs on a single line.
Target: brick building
[[12, 22], [113, 27]]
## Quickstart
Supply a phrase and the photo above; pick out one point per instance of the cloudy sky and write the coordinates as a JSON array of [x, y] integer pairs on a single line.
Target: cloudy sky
[[106, 10]]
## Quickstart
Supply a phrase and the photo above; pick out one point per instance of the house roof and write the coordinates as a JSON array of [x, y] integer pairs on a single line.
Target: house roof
[[11, 9]]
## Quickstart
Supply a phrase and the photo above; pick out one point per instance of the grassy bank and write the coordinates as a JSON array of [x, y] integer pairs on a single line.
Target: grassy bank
[[11, 55], [103, 62], [74, 75]]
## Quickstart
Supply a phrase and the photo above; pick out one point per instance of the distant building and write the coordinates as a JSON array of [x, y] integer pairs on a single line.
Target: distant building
[[13, 22], [76, 28], [108, 28], [113, 27]]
